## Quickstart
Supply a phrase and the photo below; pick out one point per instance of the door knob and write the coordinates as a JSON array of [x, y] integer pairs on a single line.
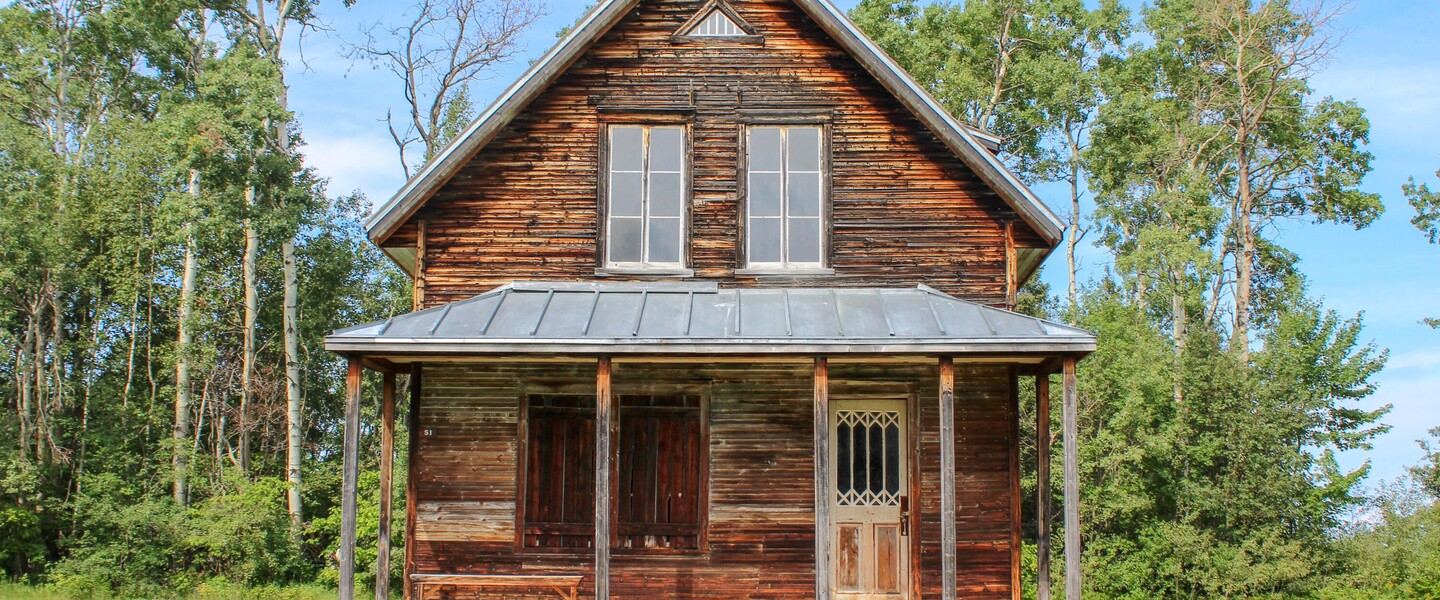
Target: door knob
[[904, 515]]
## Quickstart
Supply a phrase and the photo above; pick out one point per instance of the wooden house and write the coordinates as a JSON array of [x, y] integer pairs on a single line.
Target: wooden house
[[713, 304]]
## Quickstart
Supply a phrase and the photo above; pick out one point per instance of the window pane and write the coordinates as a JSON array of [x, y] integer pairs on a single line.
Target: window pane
[[625, 147], [667, 149], [876, 459], [892, 459], [625, 240], [625, 196], [667, 194], [764, 149], [804, 240], [765, 194], [764, 240], [804, 152], [664, 240], [803, 194]]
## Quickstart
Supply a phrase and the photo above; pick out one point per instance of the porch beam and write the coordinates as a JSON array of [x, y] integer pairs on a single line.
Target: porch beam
[[947, 477], [603, 419], [353, 380], [1072, 483], [387, 463], [1042, 493], [822, 478]]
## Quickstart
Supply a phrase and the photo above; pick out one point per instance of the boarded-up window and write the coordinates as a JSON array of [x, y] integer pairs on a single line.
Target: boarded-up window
[[661, 468], [560, 472]]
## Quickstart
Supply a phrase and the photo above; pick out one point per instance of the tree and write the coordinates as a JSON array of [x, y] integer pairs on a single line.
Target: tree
[[1427, 216], [1427, 473], [253, 23], [1282, 153], [439, 49]]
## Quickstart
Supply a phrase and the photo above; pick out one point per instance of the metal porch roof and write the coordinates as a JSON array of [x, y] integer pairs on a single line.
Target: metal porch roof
[[701, 318]]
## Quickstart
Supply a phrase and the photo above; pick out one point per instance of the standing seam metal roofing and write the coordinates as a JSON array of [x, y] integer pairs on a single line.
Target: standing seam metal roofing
[[530, 317]]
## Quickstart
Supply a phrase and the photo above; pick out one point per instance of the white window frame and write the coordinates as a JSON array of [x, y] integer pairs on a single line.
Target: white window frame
[[785, 264], [645, 264]]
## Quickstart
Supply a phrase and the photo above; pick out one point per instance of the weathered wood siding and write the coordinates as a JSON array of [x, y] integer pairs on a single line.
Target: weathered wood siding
[[905, 210], [761, 511]]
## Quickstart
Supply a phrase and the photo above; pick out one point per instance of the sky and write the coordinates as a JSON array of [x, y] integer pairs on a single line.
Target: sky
[[1389, 62]]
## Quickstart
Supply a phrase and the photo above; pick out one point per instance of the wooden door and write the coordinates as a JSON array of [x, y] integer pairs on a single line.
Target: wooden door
[[869, 498]]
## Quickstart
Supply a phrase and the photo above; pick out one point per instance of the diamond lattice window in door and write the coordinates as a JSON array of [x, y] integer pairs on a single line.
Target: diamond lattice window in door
[[868, 448]]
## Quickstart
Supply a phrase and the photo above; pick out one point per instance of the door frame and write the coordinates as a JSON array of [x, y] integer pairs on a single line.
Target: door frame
[[843, 389]]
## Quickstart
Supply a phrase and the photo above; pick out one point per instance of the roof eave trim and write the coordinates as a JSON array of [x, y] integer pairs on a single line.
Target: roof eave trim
[[412, 346], [394, 212]]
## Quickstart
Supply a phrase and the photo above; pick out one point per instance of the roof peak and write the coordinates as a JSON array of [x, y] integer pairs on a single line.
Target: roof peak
[[963, 140]]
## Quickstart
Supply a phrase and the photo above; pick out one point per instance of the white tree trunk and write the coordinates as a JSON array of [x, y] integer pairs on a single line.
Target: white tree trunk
[[252, 309], [294, 418], [181, 458]]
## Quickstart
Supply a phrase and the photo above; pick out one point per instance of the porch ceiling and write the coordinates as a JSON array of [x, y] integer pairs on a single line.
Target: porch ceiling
[[701, 318]]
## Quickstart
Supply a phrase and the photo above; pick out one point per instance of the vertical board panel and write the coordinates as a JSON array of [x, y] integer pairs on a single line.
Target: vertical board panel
[[887, 558], [847, 558]]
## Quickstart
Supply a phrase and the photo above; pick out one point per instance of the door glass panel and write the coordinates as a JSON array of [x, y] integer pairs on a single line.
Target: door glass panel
[[874, 466]]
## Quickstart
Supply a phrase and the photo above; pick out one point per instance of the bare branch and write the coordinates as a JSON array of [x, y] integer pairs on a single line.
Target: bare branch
[[437, 51]]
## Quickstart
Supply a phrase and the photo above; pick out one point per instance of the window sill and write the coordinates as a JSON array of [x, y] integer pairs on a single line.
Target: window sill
[[781, 272], [643, 272]]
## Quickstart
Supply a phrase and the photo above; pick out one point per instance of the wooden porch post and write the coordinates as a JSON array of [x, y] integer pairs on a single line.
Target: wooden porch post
[[822, 478], [947, 476], [412, 428], [1072, 484], [387, 461], [602, 479], [351, 473], [1042, 490]]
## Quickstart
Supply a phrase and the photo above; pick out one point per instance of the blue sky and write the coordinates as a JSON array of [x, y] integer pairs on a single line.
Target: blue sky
[[1389, 62]]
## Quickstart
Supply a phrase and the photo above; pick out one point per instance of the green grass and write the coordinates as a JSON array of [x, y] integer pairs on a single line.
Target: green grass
[[207, 591]]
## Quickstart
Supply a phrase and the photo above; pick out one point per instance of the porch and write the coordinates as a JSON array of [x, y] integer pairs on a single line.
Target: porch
[[764, 404]]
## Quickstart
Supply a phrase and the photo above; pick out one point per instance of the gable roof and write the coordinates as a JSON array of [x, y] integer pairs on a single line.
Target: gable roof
[[968, 143], [559, 317]]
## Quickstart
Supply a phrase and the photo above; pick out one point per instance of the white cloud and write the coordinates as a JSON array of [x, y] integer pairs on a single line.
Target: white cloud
[[356, 162], [1424, 359]]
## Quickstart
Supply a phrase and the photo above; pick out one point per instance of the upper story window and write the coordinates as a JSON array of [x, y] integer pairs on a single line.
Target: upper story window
[[645, 196], [785, 196]]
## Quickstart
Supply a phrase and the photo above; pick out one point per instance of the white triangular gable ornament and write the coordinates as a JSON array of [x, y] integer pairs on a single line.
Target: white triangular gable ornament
[[716, 24], [716, 20]]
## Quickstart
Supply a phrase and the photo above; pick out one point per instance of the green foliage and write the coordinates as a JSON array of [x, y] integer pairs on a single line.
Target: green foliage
[[1427, 207], [1232, 490], [1015, 67], [1427, 473], [1427, 216], [131, 544], [1394, 550], [23, 509]]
